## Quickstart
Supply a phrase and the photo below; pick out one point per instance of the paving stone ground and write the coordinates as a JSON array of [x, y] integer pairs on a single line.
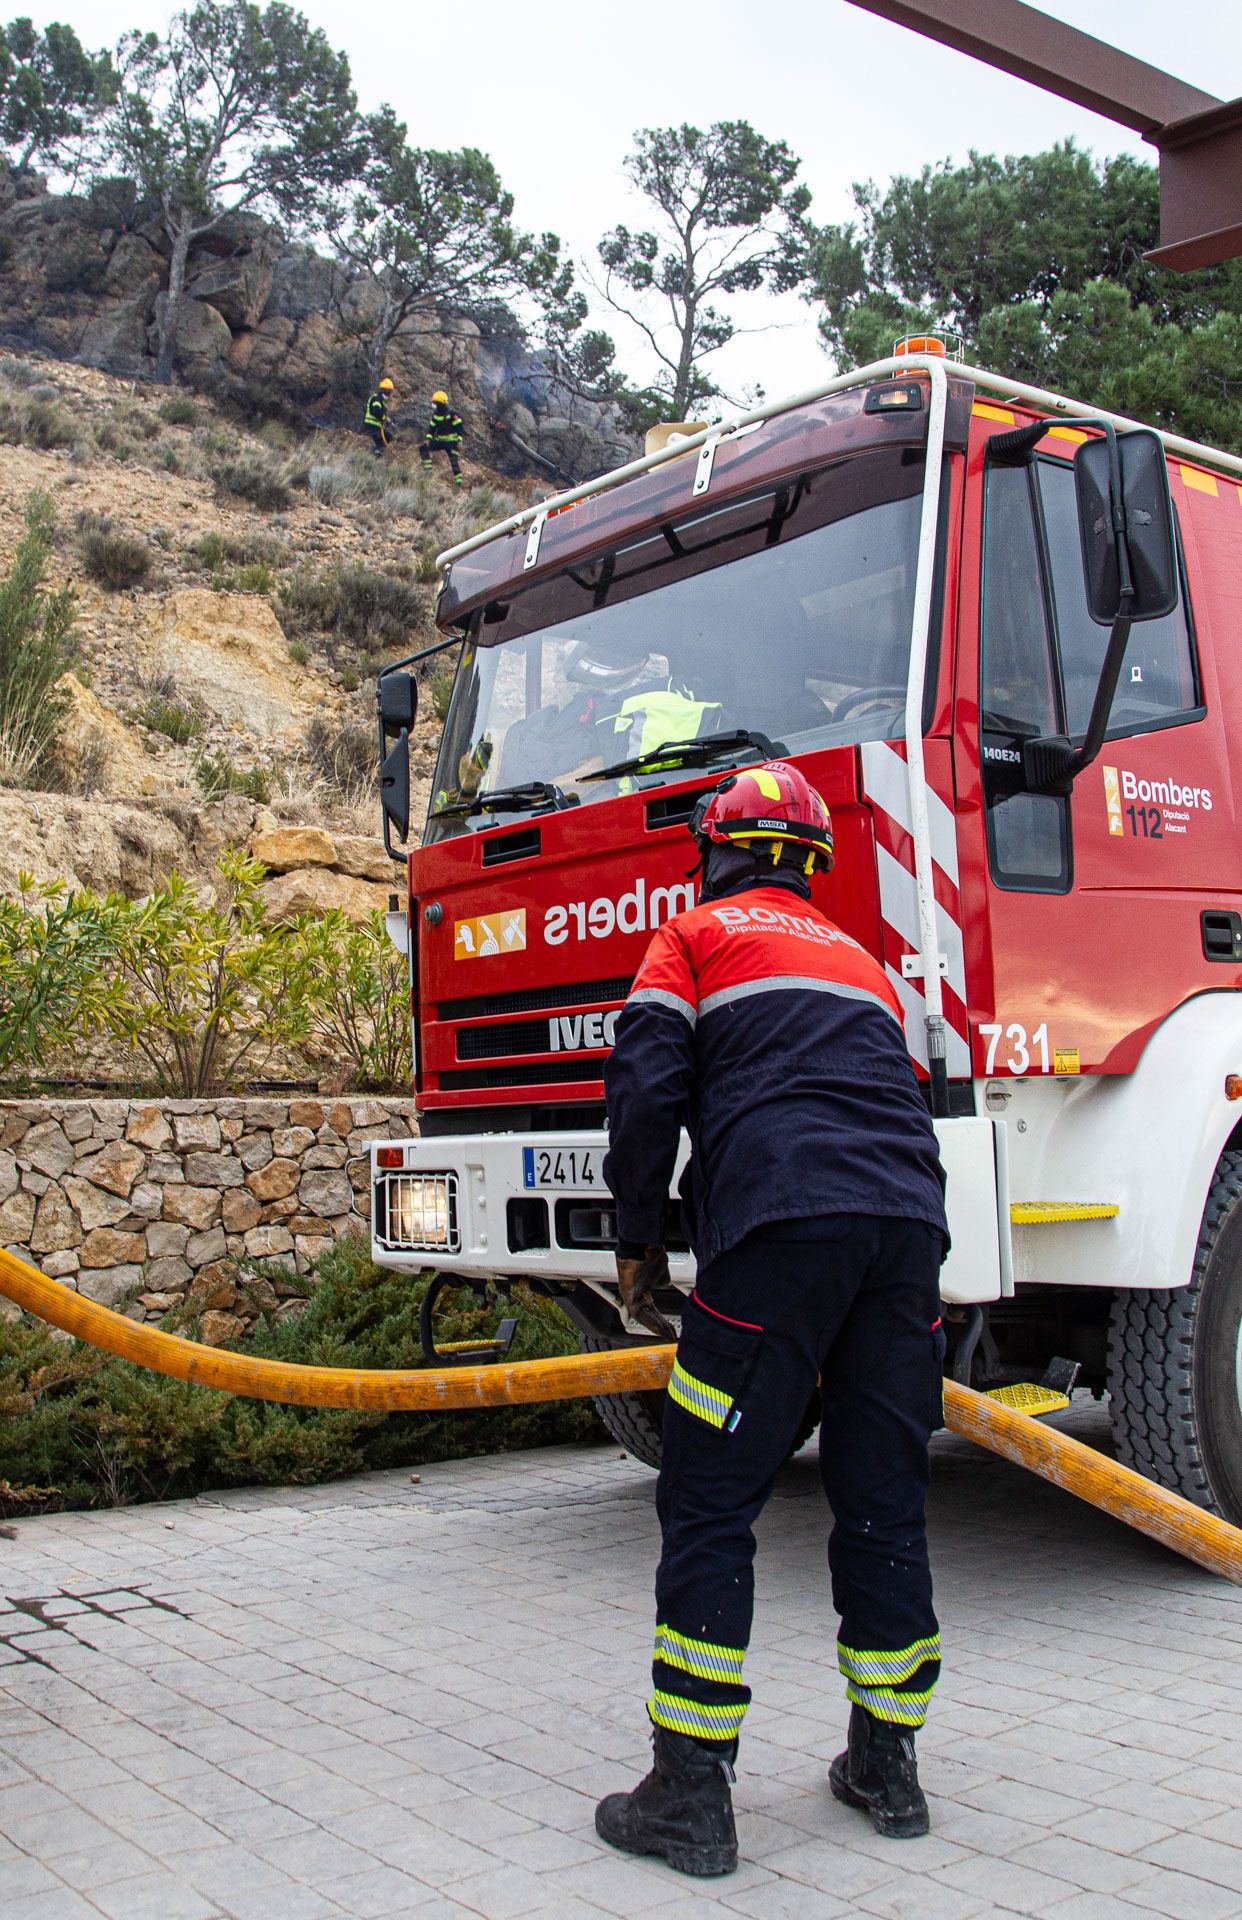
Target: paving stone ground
[[380, 1698]]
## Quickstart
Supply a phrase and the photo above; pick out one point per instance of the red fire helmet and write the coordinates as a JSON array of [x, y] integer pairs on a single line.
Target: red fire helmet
[[774, 802]]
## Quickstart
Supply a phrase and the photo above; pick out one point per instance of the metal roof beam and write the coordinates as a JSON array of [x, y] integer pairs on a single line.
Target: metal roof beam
[[1033, 46], [1199, 136]]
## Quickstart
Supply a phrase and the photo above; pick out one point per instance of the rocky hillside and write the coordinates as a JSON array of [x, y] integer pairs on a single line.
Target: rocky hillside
[[274, 329], [236, 592]]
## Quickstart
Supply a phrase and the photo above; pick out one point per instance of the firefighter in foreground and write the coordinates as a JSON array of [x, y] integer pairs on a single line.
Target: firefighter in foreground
[[444, 433], [376, 420], [814, 1199]]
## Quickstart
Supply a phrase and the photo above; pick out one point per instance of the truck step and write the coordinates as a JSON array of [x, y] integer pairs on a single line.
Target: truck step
[[1027, 1397], [1048, 1213]]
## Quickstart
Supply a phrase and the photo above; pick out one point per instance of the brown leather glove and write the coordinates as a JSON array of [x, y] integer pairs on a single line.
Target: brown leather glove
[[638, 1280]]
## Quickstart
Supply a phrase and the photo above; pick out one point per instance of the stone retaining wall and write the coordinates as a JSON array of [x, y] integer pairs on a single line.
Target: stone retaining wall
[[106, 1195]]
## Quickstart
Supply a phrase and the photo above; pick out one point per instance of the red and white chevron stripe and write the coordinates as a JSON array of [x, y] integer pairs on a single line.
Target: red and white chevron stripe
[[884, 786]]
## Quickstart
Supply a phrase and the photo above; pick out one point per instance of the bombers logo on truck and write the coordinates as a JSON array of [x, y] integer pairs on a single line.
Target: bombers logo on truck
[[641, 911], [1151, 809]]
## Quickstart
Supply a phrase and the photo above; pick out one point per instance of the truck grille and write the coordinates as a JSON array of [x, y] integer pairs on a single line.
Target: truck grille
[[554, 1073], [494, 1043], [585, 993]]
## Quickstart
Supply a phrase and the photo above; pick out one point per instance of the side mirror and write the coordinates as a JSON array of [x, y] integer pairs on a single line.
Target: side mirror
[[1125, 520], [396, 699], [397, 694], [394, 787], [1129, 558]]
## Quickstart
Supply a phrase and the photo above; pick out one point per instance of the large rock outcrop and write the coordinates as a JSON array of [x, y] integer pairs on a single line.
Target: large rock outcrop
[[227, 652], [114, 845], [271, 327]]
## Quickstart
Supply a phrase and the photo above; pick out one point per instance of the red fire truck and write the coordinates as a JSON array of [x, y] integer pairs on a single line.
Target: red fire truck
[[999, 631]]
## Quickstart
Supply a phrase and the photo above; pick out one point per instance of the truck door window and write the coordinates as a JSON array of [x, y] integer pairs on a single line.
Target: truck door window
[[1028, 833], [1158, 684]]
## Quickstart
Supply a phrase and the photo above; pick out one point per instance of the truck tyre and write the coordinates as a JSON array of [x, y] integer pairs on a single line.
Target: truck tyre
[[636, 1420], [1175, 1364]]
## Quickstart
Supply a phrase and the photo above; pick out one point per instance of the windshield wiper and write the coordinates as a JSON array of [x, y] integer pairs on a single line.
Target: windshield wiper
[[516, 799], [692, 753]]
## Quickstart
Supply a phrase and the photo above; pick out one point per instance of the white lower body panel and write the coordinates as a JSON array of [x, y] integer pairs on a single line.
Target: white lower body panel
[[469, 1215]]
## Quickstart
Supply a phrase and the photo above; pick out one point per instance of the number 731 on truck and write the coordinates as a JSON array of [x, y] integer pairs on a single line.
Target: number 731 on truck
[[999, 631]]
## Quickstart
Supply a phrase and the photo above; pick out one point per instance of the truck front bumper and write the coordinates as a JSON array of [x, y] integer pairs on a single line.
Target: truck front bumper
[[467, 1203]]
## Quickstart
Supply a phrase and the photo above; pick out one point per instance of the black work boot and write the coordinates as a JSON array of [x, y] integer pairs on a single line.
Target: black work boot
[[682, 1811], [878, 1772]]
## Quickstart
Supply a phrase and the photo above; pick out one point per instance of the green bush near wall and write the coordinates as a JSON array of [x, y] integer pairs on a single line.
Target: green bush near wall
[[78, 1429]]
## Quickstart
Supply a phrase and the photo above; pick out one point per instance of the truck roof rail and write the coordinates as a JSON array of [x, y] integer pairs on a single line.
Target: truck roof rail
[[861, 376]]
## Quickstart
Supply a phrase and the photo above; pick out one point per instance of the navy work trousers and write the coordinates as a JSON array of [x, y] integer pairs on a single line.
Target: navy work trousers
[[431, 445], [847, 1304]]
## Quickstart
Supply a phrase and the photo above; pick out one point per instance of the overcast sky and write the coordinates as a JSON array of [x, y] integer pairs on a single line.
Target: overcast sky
[[554, 92]]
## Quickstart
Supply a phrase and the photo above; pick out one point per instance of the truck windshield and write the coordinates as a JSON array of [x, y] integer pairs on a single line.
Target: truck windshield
[[786, 614]]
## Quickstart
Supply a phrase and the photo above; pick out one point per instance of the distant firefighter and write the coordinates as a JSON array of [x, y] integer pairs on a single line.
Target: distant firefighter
[[444, 433], [377, 419]]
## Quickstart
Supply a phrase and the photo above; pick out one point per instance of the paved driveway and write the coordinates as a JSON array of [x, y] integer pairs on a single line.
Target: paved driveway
[[385, 1698]]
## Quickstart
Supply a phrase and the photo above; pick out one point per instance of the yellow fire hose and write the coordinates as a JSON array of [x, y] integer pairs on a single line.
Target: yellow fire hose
[[1164, 1516]]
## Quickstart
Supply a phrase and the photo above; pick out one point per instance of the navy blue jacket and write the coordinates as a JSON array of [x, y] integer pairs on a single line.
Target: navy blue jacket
[[778, 1042]]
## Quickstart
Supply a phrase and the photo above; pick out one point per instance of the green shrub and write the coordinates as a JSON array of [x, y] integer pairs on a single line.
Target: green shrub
[[27, 421], [426, 567], [109, 440], [332, 484], [115, 559], [57, 963], [298, 653], [217, 775], [244, 479], [169, 461], [206, 992], [307, 602], [350, 681], [179, 411], [137, 421], [402, 500], [36, 647], [175, 719], [360, 1009], [256, 578], [79, 1430], [342, 751], [375, 609], [216, 550], [278, 434]]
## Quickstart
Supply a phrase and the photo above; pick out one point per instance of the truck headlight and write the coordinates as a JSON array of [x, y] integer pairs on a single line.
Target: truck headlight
[[421, 1212]]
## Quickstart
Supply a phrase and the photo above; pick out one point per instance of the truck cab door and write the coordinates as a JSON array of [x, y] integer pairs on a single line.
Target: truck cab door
[[1084, 910]]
